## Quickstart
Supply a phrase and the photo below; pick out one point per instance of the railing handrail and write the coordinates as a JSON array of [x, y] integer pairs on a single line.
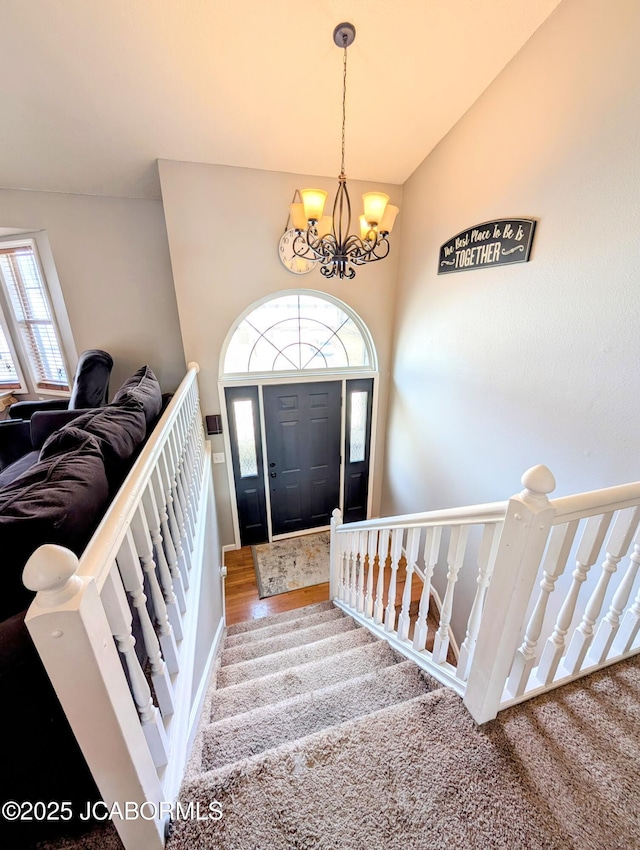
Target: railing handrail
[[467, 515], [106, 540], [593, 502]]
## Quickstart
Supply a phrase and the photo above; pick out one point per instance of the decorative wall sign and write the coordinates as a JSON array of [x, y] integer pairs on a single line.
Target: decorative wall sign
[[494, 243]]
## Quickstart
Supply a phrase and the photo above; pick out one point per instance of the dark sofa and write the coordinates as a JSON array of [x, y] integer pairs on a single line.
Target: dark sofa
[[56, 492]]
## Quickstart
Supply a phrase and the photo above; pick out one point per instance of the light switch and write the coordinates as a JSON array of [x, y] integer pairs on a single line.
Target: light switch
[[218, 457]]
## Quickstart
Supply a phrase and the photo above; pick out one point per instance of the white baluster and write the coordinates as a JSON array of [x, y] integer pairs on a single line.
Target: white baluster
[[609, 626], [353, 568], [371, 556], [183, 489], [413, 547], [119, 618], [142, 541], [176, 501], [335, 560], [166, 579], [486, 560], [620, 538], [184, 557], [344, 568], [590, 545], [132, 579], [167, 537], [191, 491], [455, 557], [383, 548], [396, 553], [431, 553], [192, 461], [560, 543], [628, 631], [362, 550]]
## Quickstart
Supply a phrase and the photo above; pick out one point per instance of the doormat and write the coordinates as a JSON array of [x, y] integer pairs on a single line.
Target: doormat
[[291, 564]]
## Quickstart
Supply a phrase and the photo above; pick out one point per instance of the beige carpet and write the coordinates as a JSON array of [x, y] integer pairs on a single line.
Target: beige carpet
[[291, 564], [325, 755]]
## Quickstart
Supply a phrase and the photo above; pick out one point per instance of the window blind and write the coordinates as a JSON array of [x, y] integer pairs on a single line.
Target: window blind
[[9, 378], [29, 304]]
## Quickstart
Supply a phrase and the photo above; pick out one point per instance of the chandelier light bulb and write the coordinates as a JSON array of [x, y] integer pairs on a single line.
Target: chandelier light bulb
[[388, 219], [313, 201], [365, 228], [374, 206], [298, 219]]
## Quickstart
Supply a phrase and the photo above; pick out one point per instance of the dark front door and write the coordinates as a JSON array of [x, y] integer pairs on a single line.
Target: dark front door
[[302, 424]]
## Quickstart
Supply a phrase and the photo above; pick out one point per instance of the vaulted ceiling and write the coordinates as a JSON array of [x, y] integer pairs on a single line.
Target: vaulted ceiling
[[92, 92]]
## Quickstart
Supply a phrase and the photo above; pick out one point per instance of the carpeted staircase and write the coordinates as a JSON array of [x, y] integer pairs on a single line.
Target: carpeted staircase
[[318, 735]]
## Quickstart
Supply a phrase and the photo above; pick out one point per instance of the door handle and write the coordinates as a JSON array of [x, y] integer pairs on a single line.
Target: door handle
[[272, 464], [273, 474]]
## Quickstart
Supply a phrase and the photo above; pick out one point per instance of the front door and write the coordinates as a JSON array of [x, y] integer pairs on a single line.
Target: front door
[[302, 429]]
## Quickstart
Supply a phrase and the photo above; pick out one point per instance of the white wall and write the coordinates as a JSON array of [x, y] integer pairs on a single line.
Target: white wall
[[112, 259], [498, 369], [223, 226]]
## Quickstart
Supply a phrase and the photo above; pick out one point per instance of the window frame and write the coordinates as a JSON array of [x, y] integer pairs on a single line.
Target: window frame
[[253, 376], [28, 378]]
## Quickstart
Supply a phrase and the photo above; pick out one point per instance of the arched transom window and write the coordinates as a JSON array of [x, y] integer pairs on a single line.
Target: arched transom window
[[299, 332]]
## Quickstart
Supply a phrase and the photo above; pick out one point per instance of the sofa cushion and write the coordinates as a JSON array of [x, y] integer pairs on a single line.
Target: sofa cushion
[[17, 468], [45, 422], [59, 500], [119, 430], [144, 387]]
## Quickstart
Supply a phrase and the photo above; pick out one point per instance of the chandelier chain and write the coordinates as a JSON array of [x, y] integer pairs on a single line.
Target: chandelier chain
[[344, 102]]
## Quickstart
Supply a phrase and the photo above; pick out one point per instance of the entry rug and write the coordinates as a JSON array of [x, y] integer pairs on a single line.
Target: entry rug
[[291, 564]]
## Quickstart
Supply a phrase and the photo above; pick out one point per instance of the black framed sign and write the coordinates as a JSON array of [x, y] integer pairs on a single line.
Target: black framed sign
[[494, 243]]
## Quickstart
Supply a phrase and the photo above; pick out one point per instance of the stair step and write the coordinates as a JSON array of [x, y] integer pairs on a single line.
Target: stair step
[[275, 687], [286, 640], [261, 622], [261, 729], [322, 786], [288, 658], [278, 628]]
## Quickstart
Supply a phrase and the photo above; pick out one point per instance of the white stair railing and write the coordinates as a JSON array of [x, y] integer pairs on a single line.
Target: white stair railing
[[529, 629], [155, 541], [395, 559]]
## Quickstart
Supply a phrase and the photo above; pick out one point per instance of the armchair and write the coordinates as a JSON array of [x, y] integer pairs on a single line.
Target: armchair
[[90, 387]]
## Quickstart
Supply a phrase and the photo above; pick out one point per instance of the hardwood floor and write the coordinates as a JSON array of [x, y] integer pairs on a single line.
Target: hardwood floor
[[242, 599], [243, 602]]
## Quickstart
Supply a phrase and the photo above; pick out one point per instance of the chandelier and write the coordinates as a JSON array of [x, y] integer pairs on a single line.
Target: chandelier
[[325, 239]]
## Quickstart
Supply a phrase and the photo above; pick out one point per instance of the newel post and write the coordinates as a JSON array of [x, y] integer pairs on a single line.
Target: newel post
[[334, 555], [69, 627], [524, 535]]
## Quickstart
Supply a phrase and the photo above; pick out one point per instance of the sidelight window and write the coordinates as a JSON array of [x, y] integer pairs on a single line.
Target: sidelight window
[[246, 437]]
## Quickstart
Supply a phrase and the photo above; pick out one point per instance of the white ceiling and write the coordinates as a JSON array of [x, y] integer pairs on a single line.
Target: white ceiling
[[92, 92]]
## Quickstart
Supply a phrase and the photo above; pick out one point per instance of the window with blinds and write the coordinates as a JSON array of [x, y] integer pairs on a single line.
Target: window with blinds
[[9, 377], [28, 303]]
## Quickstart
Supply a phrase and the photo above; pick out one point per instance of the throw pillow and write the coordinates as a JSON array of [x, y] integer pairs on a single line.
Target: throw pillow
[[144, 387], [59, 500], [119, 431]]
